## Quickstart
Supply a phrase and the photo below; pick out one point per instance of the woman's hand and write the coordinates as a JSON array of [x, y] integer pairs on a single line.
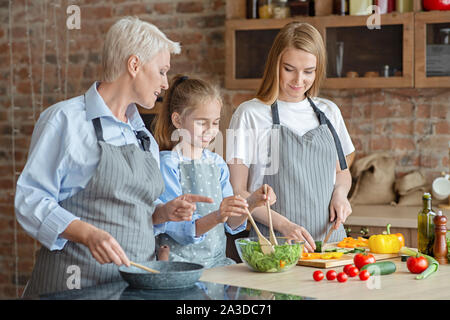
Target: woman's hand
[[103, 247], [179, 209], [258, 198], [295, 232], [231, 206], [340, 208]]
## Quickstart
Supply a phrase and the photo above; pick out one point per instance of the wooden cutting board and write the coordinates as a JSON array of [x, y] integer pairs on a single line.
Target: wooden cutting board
[[342, 261]]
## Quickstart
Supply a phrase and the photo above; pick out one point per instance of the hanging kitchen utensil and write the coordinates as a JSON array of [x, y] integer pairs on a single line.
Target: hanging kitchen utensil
[[272, 237], [266, 246]]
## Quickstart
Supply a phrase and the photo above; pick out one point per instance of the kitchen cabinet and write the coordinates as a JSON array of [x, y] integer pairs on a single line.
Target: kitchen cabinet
[[432, 49], [391, 56]]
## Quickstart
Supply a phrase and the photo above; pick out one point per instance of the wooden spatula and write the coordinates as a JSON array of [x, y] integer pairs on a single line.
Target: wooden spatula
[[266, 246], [272, 237], [140, 266]]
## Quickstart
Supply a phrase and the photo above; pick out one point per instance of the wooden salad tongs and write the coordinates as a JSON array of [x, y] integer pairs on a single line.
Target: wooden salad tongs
[[266, 246], [272, 237]]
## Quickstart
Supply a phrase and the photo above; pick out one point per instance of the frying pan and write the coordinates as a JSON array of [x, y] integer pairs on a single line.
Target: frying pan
[[173, 275]]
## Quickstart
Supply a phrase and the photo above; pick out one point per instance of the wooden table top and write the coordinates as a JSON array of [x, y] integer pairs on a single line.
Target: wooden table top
[[298, 281]]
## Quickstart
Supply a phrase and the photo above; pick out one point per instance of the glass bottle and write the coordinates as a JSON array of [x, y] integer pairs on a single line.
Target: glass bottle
[[281, 9], [340, 7], [404, 5], [252, 9], [425, 227], [265, 9]]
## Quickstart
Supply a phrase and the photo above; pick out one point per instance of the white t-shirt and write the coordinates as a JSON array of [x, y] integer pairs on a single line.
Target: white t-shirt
[[250, 131]]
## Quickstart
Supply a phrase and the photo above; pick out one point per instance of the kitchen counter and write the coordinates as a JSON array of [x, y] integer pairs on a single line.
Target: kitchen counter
[[202, 290], [298, 281]]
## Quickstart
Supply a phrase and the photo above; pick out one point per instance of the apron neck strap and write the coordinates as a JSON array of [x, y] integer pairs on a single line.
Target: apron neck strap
[[98, 129], [143, 137], [322, 120]]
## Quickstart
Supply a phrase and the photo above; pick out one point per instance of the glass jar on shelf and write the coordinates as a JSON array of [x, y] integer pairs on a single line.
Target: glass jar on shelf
[[281, 9], [265, 9]]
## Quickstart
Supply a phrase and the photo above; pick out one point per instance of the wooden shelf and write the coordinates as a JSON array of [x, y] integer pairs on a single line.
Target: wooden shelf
[[254, 47]]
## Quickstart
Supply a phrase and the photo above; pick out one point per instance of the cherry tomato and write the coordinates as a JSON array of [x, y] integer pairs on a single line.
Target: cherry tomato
[[416, 265], [331, 275], [318, 275], [347, 268], [361, 259], [342, 277], [364, 275], [352, 272]]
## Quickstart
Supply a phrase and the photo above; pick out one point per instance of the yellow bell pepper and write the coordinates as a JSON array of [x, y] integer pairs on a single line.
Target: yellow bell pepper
[[385, 243]]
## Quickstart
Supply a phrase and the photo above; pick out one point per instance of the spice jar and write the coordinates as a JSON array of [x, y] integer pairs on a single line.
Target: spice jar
[[404, 5], [265, 9], [360, 7], [281, 9]]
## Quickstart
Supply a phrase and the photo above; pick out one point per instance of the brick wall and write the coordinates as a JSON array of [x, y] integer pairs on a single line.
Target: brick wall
[[42, 62]]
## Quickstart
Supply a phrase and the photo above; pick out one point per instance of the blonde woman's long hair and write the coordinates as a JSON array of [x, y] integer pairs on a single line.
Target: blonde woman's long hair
[[183, 96], [297, 35]]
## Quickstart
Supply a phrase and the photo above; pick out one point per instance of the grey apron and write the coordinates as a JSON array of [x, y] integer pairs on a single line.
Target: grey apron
[[304, 182], [119, 200], [201, 176]]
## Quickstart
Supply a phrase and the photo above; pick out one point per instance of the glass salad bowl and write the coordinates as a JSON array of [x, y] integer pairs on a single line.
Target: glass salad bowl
[[285, 256]]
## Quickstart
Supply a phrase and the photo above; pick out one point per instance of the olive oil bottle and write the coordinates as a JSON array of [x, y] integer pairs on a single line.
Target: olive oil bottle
[[425, 227]]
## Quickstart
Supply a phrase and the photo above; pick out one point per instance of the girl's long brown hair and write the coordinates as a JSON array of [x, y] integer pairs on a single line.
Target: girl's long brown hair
[[295, 35], [183, 96]]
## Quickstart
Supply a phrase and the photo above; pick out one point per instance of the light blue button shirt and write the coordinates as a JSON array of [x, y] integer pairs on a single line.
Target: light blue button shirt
[[184, 231], [63, 157]]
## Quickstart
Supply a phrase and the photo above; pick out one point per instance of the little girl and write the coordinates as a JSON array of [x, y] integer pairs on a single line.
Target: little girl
[[185, 127]]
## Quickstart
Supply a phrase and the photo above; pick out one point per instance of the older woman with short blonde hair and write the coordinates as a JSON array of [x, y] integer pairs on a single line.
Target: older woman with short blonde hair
[[294, 141], [89, 190]]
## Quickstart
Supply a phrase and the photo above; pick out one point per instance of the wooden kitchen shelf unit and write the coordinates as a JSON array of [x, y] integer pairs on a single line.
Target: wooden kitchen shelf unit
[[248, 42], [427, 25]]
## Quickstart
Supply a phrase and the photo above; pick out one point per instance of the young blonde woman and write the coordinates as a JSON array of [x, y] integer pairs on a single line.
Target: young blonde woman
[[294, 141], [191, 111]]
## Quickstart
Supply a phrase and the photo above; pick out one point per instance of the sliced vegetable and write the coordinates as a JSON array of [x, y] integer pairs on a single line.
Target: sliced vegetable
[[350, 242], [331, 255], [380, 268], [433, 265]]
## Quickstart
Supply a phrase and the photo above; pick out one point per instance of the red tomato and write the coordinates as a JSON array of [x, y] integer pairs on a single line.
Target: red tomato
[[416, 265], [353, 272], [347, 268], [361, 259], [364, 275], [318, 275], [342, 277], [331, 275]]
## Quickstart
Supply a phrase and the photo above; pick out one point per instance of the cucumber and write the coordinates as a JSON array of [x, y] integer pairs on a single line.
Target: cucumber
[[380, 268]]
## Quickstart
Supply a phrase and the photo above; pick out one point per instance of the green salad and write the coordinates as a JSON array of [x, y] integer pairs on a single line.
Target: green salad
[[285, 256]]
